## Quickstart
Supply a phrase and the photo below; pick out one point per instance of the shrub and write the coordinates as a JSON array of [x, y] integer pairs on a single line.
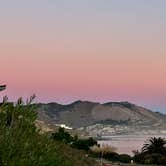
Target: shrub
[[112, 156], [139, 157], [62, 135], [21, 144], [154, 158], [84, 144], [124, 158]]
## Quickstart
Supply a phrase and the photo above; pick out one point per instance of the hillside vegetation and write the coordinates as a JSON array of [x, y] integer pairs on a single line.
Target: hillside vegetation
[[21, 143]]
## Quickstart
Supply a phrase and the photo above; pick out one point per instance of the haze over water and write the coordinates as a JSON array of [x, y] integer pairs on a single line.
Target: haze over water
[[109, 50], [126, 144]]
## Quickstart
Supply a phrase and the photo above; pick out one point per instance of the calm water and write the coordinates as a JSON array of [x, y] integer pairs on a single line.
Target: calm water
[[127, 143]]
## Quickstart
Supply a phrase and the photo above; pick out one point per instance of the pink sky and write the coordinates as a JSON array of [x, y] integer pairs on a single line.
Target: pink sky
[[111, 56]]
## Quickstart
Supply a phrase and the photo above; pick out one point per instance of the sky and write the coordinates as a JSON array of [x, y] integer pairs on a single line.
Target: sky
[[97, 50]]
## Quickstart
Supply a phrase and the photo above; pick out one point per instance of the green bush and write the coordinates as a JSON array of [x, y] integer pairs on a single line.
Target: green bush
[[112, 156], [124, 158], [21, 144], [62, 135], [84, 144]]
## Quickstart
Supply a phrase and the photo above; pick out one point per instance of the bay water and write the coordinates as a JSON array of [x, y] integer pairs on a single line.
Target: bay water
[[126, 144]]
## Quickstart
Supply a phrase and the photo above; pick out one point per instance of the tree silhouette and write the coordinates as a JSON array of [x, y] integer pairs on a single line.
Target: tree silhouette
[[155, 145]]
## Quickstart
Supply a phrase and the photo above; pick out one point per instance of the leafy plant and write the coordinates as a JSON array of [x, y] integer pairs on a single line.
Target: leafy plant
[[124, 158], [62, 135], [155, 145], [153, 152], [84, 144], [21, 143]]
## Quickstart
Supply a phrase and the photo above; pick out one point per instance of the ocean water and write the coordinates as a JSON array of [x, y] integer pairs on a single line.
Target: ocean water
[[125, 144]]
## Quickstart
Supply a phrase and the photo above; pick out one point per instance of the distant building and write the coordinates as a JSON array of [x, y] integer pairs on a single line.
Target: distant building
[[64, 126]]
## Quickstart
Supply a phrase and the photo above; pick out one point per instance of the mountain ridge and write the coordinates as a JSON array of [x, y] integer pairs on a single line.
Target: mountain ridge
[[85, 113]]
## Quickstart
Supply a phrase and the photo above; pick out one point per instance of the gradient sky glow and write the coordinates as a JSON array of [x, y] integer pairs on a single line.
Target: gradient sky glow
[[98, 50]]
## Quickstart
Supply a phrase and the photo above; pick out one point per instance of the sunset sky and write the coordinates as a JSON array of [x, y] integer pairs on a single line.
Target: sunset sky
[[97, 50]]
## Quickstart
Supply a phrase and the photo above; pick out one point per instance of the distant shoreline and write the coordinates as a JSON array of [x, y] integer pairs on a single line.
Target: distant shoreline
[[125, 144]]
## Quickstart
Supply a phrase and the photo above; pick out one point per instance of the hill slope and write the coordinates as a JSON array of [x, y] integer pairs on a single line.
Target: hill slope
[[85, 113]]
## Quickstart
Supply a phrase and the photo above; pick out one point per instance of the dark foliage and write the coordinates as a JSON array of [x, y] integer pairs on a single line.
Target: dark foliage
[[21, 143], [84, 144], [153, 158], [112, 156], [62, 135], [124, 158], [153, 152], [139, 157], [155, 145]]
